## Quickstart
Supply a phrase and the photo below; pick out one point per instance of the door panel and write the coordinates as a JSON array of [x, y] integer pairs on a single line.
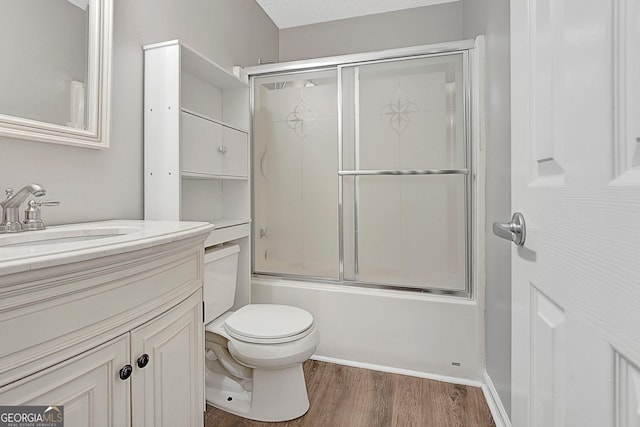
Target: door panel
[[169, 390], [627, 392], [547, 364], [627, 19], [200, 139], [235, 153], [87, 386], [548, 150]]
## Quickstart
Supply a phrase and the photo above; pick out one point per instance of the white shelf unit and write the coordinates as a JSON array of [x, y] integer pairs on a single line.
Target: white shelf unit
[[196, 147]]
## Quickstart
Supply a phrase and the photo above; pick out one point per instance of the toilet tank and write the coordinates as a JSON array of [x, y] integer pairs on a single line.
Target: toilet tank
[[220, 273]]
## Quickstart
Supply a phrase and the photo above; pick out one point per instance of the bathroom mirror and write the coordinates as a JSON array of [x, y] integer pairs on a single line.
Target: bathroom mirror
[[55, 72]]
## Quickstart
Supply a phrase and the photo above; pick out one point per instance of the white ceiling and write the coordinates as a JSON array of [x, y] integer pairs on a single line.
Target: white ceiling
[[293, 13]]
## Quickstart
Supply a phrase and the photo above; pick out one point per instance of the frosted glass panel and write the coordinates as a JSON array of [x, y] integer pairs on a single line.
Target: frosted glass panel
[[405, 114], [295, 174], [406, 230]]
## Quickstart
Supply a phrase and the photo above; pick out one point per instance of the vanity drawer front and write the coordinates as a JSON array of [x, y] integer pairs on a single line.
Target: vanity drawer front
[[82, 311]]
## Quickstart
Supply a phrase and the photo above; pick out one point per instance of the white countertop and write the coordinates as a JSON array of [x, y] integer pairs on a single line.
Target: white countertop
[[66, 244]]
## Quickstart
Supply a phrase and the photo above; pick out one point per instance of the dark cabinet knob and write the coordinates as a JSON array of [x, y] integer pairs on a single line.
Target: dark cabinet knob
[[125, 372], [143, 360]]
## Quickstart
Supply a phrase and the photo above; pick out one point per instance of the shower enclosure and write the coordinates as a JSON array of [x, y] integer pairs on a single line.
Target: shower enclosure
[[361, 172]]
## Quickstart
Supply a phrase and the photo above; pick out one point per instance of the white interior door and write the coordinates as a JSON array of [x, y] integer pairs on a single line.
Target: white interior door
[[576, 178]]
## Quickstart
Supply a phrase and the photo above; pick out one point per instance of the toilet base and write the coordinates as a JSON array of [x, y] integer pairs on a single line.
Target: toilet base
[[277, 395]]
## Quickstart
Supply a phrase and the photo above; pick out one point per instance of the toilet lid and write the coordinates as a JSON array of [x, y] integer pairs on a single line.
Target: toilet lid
[[268, 323]]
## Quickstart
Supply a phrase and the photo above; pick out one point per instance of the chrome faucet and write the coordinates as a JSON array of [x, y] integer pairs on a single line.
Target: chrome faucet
[[11, 205]]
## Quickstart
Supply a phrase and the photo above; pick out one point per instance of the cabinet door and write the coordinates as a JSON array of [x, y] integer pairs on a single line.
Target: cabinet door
[[235, 154], [88, 386], [169, 390], [200, 140]]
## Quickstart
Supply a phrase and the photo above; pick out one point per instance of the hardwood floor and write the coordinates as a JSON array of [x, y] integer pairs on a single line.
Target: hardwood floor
[[342, 396]]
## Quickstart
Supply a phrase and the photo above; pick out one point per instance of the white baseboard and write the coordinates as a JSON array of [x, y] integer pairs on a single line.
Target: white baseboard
[[500, 416], [392, 370]]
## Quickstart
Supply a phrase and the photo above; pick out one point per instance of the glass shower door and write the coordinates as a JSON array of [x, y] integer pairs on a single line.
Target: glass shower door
[[404, 178], [295, 184]]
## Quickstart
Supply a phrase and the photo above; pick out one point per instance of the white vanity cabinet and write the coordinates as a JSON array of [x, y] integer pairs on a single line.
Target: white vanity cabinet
[[92, 391], [118, 339]]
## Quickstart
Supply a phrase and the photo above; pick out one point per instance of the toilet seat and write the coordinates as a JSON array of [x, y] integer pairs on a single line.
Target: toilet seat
[[267, 353], [268, 324]]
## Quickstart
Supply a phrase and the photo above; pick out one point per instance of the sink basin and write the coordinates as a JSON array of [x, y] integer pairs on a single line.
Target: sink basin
[[55, 236], [68, 236]]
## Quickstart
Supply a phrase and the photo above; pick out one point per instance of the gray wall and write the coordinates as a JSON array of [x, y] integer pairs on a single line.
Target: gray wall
[[425, 25], [491, 17], [94, 185]]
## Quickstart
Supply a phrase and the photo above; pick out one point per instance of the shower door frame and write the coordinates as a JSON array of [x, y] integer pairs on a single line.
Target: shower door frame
[[337, 63]]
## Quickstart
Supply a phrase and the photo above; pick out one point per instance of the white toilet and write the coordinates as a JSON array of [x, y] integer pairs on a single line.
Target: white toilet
[[254, 355]]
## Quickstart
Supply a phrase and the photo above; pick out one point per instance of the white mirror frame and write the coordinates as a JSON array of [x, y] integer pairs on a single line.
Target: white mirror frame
[[98, 97]]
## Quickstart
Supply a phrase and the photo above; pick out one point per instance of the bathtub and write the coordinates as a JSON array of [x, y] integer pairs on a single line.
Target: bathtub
[[430, 336]]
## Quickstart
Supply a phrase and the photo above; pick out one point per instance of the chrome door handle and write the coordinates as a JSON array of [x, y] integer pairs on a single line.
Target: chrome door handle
[[514, 231]]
